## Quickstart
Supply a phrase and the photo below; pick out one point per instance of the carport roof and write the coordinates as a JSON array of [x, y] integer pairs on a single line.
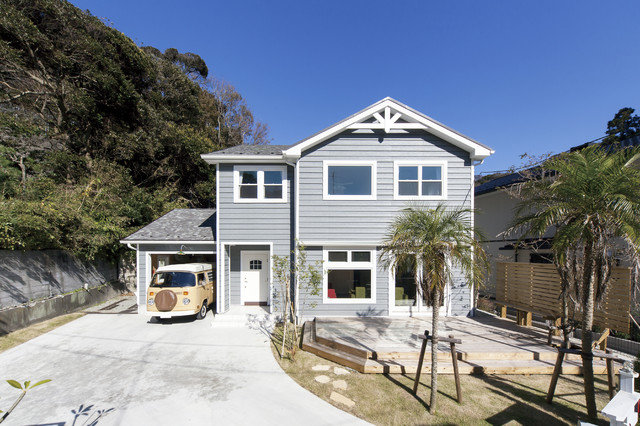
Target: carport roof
[[178, 226]]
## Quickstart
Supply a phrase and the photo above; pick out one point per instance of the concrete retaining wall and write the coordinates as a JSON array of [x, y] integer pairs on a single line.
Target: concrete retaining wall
[[32, 275], [18, 317]]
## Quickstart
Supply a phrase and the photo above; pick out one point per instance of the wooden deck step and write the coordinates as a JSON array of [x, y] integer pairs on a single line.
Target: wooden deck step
[[504, 363], [475, 356], [483, 367]]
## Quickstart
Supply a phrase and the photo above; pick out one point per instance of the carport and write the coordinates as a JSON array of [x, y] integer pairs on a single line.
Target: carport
[[180, 236]]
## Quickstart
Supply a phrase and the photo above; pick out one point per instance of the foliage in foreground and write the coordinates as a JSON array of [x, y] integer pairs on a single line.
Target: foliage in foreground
[[24, 387]]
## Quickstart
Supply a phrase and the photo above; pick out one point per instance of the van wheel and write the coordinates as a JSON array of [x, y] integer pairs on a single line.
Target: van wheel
[[203, 311]]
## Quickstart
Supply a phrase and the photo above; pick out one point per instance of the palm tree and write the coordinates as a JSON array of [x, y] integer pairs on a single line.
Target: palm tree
[[591, 199], [437, 243]]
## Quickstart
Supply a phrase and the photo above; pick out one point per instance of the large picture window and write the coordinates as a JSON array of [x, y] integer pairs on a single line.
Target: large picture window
[[262, 184], [350, 276], [353, 180], [420, 181]]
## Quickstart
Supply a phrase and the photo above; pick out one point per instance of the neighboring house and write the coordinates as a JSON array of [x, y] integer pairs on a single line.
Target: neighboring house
[[495, 209], [494, 213], [336, 192]]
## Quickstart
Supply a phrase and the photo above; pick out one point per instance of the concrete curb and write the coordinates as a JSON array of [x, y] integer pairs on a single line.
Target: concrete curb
[[22, 316]]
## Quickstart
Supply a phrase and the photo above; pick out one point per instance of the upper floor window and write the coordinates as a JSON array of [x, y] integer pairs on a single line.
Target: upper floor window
[[265, 184], [349, 180], [417, 180]]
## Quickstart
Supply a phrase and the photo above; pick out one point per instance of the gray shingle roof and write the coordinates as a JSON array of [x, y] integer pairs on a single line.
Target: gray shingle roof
[[252, 150], [179, 225]]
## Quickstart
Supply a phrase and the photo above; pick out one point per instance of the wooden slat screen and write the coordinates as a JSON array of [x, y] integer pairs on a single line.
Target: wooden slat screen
[[535, 287]]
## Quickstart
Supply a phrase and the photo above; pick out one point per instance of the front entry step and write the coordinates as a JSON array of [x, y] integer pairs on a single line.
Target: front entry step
[[245, 316]]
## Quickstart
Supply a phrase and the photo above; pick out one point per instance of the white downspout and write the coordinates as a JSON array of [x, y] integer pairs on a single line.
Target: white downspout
[[296, 231]]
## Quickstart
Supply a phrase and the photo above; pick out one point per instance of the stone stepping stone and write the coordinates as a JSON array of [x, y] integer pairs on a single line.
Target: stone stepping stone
[[320, 367], [339, 384], [335, 396], [323, 379], [340, 371]]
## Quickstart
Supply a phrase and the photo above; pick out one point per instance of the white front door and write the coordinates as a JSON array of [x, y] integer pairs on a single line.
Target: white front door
[[254, 277]]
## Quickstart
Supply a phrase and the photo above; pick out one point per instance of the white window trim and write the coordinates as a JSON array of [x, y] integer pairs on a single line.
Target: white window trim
[[372, 265], [396, 168], [260, 169], [325, 180]]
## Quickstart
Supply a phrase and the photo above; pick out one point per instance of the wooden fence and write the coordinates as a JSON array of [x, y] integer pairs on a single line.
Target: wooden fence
[[535, 287]]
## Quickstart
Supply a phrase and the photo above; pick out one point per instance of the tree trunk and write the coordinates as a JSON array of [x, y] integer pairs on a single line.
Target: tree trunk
[[434, 348], [587, 323], [565, 319], [284, 330]]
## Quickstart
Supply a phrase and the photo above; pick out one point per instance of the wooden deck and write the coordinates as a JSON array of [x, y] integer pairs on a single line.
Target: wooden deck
[[490, 345]]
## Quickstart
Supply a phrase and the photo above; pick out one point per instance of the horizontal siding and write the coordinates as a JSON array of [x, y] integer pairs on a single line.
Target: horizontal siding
[[460, 295], [254, 222], [367, 220]]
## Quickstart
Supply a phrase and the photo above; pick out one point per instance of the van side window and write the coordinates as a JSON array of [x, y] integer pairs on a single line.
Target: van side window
[[201, 279]]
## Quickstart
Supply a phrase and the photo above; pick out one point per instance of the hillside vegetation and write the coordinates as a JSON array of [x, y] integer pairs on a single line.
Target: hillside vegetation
[[99, 136]]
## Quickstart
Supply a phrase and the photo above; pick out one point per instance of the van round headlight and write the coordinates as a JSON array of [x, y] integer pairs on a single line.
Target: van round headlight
[[186, 301], [150, 302]]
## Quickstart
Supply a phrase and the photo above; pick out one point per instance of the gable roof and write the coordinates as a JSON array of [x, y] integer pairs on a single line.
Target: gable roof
[[179, 225], [387, 115]]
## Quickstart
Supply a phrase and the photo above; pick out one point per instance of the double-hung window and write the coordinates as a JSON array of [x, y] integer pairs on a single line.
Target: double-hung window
[[420, 180], [350, 275], [349, 180], [260, 184]]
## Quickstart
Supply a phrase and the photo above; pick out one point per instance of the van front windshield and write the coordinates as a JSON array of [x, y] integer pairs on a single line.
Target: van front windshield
[[173, 279]]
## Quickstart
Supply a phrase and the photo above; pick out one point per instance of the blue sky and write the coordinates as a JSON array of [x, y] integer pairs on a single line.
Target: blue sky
[[536, 77]]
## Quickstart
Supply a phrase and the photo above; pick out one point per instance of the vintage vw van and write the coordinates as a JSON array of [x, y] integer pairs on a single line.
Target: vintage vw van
[[179, 290]]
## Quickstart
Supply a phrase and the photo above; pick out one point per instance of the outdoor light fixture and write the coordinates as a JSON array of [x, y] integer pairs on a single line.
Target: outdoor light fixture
[[180, 252]]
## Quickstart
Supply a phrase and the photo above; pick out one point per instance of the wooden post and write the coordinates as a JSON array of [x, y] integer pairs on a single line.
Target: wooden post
[[556, 374], [454, 360], [503, 311], [524, 318], [558, 325], [610, 378], [422, 351]]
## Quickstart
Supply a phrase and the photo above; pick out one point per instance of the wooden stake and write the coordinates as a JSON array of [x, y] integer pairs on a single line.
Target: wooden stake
[[422, 351], [610, 378], [454, 360], [556, 374]]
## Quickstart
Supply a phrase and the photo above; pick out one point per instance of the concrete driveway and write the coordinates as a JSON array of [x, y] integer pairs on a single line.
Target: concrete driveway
[[120, 369]]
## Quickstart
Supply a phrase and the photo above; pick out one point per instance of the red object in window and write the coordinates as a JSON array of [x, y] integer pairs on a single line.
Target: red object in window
[[332, 293]]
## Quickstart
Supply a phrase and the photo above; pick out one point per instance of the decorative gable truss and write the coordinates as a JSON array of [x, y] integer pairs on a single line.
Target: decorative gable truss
[[388, 122]]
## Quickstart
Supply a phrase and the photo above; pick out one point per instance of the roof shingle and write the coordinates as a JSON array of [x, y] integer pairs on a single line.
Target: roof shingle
[[179, 225]]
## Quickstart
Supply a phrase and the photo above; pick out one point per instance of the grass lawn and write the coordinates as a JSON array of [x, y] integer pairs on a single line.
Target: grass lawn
[[489, 399], [18, 337]]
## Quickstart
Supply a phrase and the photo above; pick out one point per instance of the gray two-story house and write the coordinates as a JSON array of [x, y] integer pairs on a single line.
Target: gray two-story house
[[336, 193]]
